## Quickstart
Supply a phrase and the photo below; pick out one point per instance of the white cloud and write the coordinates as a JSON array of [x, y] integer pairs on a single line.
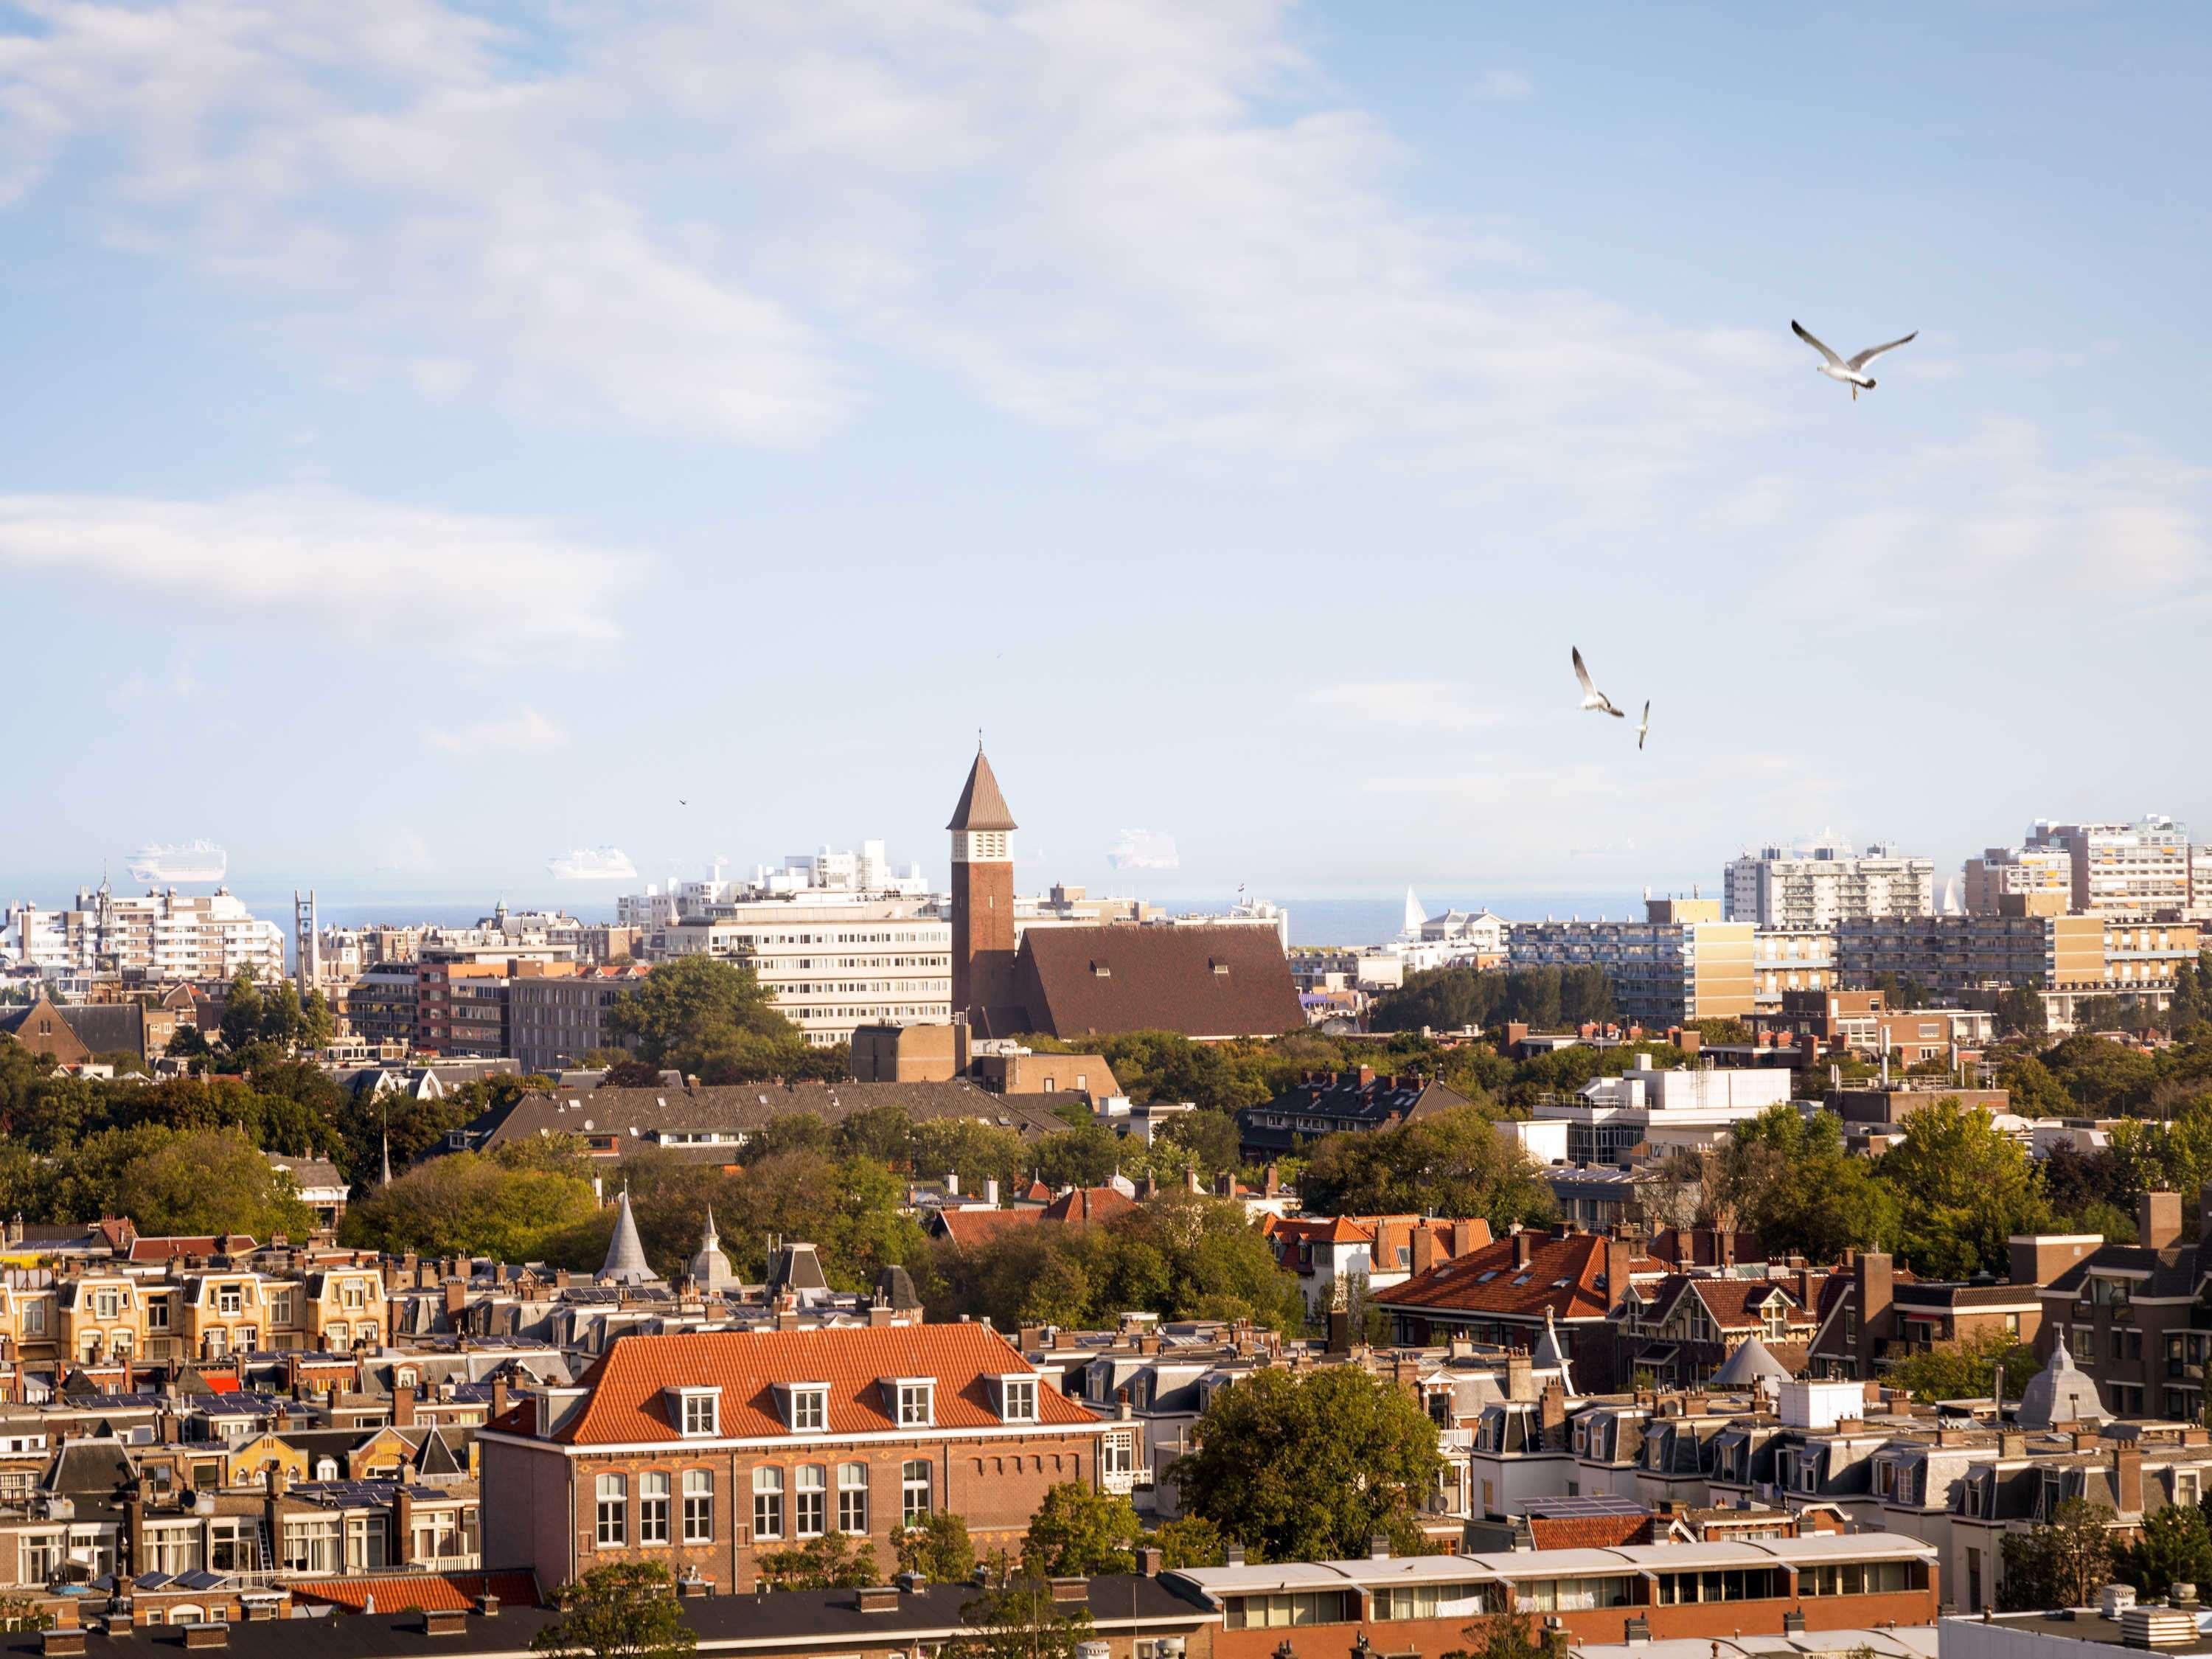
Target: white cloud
[[1503, 86], [527, 731], [1429, 705], [1144, 849], [496, 588], [1146, 222]]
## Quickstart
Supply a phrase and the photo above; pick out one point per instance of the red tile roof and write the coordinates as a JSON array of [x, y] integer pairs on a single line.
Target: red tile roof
[[421, 1592], [1080, 1205], [627, 1398], [1588, 1532], [971, 1227], [1561, 1274], [162, 1250]]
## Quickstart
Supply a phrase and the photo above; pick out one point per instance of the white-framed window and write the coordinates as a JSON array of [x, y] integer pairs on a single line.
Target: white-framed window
[[768, 1503], [698, 1506], [810, 1507], [653, 1503], [1017, 1399], [913, 1490], [917, 1403], [1117, 1455], [613, 1513], [810, 1408], [228, 1299], [702, 1412], [853, 1498]]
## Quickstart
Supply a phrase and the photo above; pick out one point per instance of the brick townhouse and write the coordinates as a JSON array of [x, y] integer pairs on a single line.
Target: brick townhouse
[[707, 1449]]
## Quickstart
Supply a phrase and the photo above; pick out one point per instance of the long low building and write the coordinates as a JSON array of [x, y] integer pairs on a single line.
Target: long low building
[[1651, 1592]]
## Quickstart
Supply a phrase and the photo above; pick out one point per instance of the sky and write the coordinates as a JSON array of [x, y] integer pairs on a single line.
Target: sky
[[442, 435]]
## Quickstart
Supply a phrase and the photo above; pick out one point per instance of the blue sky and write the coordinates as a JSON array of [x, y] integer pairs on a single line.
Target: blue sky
[[441, 435]]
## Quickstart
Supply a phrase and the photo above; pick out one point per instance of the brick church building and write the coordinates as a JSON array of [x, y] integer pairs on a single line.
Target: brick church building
[[1067, 981]]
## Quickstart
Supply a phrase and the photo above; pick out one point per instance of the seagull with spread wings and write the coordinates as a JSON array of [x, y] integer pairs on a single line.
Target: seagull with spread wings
[[1644, 730], [1594, 699], [1851, 371]]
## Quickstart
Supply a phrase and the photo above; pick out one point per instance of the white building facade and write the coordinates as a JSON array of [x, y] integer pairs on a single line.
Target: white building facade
[[1661, 1110], [164, 935], [1816, 886], [831, 966]]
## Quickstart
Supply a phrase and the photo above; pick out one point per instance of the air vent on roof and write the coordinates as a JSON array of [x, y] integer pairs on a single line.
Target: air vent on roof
[[1218, 967], [1101, 970], [588, 1124]]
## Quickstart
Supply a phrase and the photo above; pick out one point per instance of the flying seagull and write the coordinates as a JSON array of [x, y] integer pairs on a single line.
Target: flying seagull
[[1643, 729], [1592, 697], [1849, 370]]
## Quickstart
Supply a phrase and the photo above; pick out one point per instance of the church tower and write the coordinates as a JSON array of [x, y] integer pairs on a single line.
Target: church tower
[[982, 895]]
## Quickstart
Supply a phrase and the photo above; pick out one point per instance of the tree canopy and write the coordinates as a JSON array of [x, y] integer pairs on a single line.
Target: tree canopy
[[1311, 1466]]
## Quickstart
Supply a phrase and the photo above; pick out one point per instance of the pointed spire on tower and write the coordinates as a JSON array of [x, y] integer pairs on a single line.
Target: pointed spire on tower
[[626, 1263], [386, 1182], [981, 805]]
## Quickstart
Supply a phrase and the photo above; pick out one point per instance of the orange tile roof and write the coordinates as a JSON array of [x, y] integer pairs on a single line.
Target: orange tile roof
[[423, 1592], [1086, 1204], [627, 1400], [1561, 1274], [980, 1226]]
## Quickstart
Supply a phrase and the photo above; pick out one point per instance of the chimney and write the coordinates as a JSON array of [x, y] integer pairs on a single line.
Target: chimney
[[2127, 1480], [1619, 1260], [457, 1302], [1552, 1416], [1339, 1331], [403, 1513], [1424, 1247], [1525, 1247], [2158, 1219], [1520, 1377], [1271, 1182], [991, 1192], [499, 1396], [1148, 1562], [1463, 1237], [403, 1407], [1873, 1278]]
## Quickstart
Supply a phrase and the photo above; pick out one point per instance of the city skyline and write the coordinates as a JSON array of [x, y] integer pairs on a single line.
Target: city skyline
[[390, 415]]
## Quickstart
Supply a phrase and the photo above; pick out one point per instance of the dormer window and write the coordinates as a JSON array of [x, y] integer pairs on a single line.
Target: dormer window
[[1017, 1399], [913, 1401], [698, 1412], [805, 1407]]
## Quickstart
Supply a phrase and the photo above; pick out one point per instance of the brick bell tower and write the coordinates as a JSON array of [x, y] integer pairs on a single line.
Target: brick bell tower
[[982, 895]]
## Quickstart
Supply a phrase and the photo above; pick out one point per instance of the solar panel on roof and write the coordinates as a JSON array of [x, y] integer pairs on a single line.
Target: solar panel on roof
[[1561, 1509]]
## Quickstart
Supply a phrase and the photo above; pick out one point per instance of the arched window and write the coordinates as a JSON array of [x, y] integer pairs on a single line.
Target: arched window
[[613, 1515], [652, 1507], [768, 1503], [698, 1506]]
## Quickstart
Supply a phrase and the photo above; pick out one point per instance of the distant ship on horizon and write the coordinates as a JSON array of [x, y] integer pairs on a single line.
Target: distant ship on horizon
[[189, 862], [592, 864]]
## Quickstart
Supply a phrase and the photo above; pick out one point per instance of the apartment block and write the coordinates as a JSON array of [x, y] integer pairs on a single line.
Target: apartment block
[[2069, 958], [164, 935], [554, 1020], [1681, 962], [2020, 881], [1820, 885], [832, 966], [1790, 959], [2139, 869]]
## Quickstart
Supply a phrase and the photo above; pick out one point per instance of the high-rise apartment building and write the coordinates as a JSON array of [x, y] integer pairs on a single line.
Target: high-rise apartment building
[[2020, 881], [2200, 883], [1818, 886], [1680, 963], [2139, 869], [831, 966], [2067, 958], [161, 936]]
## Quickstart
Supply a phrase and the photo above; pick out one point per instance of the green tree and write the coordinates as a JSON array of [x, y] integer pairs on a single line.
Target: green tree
[[1964, 1369], [1019, 1620], [2020, 1013], [1453, 1163], [1190, 1540], [317, 1027], [1511, 1636], [2060, 1564], [468, 1204], [834, 1560], [1080, 1531], [1964, 1188], [1722, 1030], [2175, 1548], [626, 1610], [937, 1548], [1309, 1466], [716, 1020], [241, 1011], [206, 1182]]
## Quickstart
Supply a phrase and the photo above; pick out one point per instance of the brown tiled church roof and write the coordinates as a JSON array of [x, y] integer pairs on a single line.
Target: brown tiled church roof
[[1202, 982], [982, 806]]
